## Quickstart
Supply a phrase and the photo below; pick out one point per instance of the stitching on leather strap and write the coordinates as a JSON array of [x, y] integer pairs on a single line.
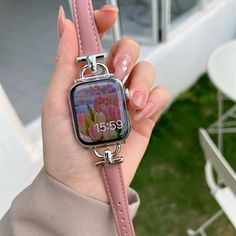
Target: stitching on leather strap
[[111, 199], [125, 199], [92, 23], [77, 26]]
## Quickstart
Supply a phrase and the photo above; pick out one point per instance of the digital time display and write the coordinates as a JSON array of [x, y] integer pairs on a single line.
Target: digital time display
[[112, 125], [99, 111]]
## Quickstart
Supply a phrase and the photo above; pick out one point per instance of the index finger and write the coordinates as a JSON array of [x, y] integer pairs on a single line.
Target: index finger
[[105, 18], [122, 57]]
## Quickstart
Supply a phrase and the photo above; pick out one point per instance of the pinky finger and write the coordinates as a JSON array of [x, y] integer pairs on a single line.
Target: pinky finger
[[157, 102]]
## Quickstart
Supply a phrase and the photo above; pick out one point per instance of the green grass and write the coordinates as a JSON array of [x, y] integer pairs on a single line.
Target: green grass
[[170, 180]]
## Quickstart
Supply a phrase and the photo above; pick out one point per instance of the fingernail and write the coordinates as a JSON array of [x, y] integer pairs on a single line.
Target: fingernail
[[139, 99], [109, 8], [60, 21], [122, 64], [147, 111]]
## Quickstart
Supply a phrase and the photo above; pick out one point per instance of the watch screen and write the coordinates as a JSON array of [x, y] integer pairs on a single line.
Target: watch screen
[[99, 112]]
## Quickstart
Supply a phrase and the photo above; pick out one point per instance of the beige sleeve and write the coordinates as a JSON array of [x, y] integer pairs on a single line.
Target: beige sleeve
[[49, 208]]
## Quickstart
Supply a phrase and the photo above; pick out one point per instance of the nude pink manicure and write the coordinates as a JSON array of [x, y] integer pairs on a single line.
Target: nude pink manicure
[[60, 21], [139, 99], [146, 112], [122, 65]]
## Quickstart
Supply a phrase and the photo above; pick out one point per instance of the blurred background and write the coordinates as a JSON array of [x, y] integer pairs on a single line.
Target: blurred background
[[181, 38]]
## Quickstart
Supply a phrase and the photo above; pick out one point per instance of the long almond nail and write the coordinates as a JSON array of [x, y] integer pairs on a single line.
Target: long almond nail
[[139, 99], [60, 21], [122, 65], [145, 112]]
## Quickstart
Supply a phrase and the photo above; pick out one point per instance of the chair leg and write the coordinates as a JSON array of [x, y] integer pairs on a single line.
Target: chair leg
[[220, 112], [202, 228]]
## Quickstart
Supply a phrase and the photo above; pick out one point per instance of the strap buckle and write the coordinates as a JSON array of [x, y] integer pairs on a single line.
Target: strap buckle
[[91, 61]]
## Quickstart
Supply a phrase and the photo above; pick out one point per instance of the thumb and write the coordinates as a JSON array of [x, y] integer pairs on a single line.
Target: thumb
[[65, 70], [65, 67], [56, 100]]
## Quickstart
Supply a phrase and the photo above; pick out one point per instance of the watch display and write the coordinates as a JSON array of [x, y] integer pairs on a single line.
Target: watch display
[[99, 111]]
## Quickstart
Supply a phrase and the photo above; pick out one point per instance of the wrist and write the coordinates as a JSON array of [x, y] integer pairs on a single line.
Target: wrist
[[91, 186], [94, 189]]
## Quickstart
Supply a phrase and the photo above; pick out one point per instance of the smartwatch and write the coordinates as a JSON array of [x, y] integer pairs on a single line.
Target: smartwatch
[[99, 113], [98, 105]]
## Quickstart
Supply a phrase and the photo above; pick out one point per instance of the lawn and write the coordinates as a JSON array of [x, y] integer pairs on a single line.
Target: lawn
[[170, 180]]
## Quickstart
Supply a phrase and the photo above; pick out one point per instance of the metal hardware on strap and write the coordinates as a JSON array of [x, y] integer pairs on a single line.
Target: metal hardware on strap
[[86, 67], [91, 61], [109, 162], [108, 157]]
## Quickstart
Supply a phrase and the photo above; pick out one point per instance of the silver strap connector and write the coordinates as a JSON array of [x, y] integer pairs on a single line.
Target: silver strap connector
[[108, 157], [109, 160], [91, 61]]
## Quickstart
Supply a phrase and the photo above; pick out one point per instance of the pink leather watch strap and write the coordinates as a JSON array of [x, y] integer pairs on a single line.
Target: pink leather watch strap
[[89, 44], [88, 38], [117, 196]]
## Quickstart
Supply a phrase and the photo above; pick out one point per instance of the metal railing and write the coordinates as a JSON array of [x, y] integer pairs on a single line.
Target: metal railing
[[156, 21], [116, 30], [160, 18]]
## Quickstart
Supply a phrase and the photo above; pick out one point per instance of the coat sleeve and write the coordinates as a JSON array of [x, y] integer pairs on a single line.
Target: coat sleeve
[[49, 208]]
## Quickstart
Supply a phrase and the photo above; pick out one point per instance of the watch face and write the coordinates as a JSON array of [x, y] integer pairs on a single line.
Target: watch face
[[99, 112]]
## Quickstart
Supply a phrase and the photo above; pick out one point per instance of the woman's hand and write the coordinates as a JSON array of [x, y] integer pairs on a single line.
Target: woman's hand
[[64, 158]]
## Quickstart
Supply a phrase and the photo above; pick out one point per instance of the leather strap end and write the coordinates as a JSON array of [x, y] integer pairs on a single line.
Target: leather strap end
[[117, 195], [89, 42]]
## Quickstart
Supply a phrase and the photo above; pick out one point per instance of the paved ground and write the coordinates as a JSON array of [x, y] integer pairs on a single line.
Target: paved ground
[[28, 42]]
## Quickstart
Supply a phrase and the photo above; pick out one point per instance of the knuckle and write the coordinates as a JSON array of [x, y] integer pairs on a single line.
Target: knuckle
[[165, 93], [132, 43], [126, 43], [57, 60], [148, 67], [129, 40]]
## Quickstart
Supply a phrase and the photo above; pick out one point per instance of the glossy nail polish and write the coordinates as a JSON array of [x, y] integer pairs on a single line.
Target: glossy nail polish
[[139, 99], [122, 65], [60, 21]]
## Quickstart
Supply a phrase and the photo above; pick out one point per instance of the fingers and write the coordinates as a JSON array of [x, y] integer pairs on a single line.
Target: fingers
[[122, 57], [145, 104], [105, 18], [157, 101], [66, 70], [140, 82]]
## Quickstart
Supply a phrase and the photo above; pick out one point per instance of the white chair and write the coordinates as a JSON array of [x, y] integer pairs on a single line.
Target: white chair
[[20, 153], [222, 72], [224, 195]]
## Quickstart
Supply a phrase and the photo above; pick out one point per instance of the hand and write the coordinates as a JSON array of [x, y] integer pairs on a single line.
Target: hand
[[64, 158]]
